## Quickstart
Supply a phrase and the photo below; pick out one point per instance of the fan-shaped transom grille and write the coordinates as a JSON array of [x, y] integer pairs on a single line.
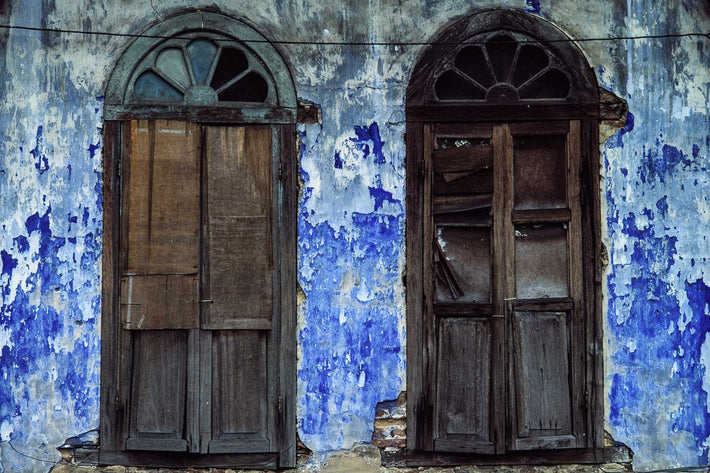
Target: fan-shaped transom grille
[[201, 71], [506, 67]]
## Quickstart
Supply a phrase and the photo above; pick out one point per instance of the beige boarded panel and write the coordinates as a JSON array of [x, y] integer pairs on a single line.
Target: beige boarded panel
[[162, 198], [239, 214], [159, 302]]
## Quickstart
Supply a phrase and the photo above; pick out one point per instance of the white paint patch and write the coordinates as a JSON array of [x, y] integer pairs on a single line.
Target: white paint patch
[[5, 431], [6, 338], [705, 363]]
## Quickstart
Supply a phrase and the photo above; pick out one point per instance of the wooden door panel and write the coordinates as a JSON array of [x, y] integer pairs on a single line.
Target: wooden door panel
[[198, 283], [463, 404], [159, 382], [240, 418], [544, 397], [239, 246]]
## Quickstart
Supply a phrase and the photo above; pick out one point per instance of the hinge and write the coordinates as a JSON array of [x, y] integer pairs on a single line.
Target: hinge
[[421, 168], [117, 403], [280, 171], [280, 404]]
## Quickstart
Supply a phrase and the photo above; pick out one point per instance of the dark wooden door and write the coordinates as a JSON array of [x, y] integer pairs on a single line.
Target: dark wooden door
[[503, 287], [199, 287]]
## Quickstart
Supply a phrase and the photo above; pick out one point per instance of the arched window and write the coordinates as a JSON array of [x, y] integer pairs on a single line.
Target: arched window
[[502, 238], [198, 307]]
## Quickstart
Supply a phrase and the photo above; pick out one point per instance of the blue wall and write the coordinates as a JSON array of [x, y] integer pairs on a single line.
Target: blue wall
[[658, 236], [351, 318]]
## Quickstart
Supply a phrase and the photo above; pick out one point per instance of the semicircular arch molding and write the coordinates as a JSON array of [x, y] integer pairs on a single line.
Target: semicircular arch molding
[[502, 57], [201, 60]]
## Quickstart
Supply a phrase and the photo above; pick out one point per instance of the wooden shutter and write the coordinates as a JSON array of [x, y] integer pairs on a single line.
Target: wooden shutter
[[503, 287], [204, 360], [545, 300], [237, 292], [159, 263], [464, 324]]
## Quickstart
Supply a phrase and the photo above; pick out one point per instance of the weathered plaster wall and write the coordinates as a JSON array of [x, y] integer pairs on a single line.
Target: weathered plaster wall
[[657, 191], [351, 214]]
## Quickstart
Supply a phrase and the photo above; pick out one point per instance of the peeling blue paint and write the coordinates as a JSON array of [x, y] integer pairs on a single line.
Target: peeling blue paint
[[533, 6], [351, 220], [659, 165], [39, 152], [616, 140], [350, 277]]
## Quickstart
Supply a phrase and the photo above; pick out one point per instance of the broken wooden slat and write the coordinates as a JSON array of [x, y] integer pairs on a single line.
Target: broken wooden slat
[[445, 272], [460, 203], [464, 159], [473, 218]]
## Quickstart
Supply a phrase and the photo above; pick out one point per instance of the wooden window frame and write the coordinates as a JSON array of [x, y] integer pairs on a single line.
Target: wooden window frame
[[422, 112], [280, 115]]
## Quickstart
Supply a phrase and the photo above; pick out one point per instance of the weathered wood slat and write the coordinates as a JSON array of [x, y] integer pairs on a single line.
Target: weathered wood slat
[[285, 425], [576, 286], [475, 219], [463, 446], [500, 112], [463, 309], [546, 304], [426, 422], [540, 216], [541, 368], [239, 392], [157, 444], [111, 430], [462, 160], [540, 127], [463, 385], [158, 390], [226, 115], [462, 130], [413, 284], [479, 182], [460, 203], [159, 302], [188, 460]]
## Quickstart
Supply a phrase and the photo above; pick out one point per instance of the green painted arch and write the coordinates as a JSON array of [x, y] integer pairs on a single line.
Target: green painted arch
[[263, 58]]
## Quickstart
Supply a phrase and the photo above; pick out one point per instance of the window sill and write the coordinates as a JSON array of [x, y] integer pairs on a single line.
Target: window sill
[[619, 453]]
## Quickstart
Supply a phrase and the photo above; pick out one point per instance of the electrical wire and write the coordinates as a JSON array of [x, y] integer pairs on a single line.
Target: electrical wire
[[30, 456], [357, 43]]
